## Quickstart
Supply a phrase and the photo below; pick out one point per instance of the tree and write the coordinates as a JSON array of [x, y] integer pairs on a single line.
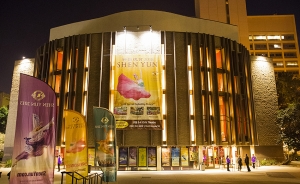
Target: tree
[[288, 88], [3, 119], [288, 120]]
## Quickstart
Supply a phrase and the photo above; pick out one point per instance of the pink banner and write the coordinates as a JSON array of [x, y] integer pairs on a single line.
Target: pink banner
[[33, 154]]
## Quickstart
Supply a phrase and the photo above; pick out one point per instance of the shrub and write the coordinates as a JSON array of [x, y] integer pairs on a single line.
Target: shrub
[[265, 162], [8, 163]]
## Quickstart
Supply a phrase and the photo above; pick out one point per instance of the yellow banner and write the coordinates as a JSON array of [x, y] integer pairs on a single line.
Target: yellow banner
[[138, 91], [76, 143]]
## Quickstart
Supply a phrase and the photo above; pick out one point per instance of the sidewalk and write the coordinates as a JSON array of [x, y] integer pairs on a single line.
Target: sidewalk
[[264, 174]]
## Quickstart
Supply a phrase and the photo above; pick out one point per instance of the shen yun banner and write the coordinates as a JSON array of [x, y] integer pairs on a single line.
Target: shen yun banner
[[105, 143], [137, 99], [33, 153], [76, 151]]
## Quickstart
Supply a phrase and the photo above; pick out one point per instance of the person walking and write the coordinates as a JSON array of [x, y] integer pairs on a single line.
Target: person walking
[[59, 162], [228, 162], [247, 163], [240, 163], [253, 159]]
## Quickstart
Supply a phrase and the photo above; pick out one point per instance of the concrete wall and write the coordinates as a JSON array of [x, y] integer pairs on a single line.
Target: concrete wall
[[265, 99], [25, 66]]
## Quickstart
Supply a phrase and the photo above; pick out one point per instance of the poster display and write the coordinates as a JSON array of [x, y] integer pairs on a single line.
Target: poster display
[[105, 143], [151, 156], [34, 145], [137, 96], [132, 156], [184, 156], [91, 157], [142, 157], [123, 156], [165, 158], [175, 156]]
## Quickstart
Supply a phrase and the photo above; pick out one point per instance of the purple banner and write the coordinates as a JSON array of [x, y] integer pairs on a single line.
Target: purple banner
[[33, 154]]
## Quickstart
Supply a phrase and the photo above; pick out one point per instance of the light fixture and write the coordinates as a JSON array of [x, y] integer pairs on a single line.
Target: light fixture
[[23, 57], [124, 28], [150, 28]]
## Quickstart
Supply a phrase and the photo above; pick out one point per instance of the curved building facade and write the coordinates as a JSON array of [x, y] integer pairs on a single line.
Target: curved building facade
[[180, 88]]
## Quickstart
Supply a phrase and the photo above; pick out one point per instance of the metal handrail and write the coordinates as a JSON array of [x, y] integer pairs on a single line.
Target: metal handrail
[[94, 178]]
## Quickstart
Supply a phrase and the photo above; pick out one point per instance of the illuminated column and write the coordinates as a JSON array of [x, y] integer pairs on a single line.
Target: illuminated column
[[112, 79], [25, 66], [191, 96], [163, 105], [86, 82]]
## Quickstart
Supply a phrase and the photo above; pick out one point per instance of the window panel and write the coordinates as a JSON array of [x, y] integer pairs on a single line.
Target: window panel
[[290, 55], [291, 64], [259, 38], [289, 46], [260, 46], [288, 37], [274, 46]]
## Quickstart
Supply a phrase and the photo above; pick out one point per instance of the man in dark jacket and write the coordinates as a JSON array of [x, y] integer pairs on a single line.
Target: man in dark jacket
[[247, 163]]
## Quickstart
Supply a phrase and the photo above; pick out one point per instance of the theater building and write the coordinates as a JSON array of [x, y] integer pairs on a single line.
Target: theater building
[[183, 90]]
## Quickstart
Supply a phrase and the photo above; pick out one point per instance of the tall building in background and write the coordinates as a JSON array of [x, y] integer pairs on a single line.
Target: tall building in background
[[227, 11], [4, 99], [275, 36]]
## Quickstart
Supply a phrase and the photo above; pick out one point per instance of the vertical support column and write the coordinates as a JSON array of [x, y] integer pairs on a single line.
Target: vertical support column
[[158, 158]]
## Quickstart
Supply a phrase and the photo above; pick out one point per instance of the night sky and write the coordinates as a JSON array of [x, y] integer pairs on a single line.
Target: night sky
[[25, 25]]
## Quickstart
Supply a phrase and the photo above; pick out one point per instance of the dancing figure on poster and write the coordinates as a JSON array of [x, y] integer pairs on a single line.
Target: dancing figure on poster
[[134, 89], [38, 138]]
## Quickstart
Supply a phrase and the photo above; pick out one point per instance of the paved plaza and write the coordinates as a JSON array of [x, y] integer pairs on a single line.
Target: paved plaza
[[260, 175]]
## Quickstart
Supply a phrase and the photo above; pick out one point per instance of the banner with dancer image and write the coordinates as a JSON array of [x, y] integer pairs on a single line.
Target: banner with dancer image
[[105, 143], [34, 144], [76, 144], [138, 92]]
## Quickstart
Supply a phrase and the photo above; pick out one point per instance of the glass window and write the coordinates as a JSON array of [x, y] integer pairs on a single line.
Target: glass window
[[288, 37], [291, 64], [289, 46], [251, 46], [290, 55], [219, 58], [259, 38], [278, 64], [261, 54], [223, 118], [250, 37], [275, 54], [220, 82], [274, 46], [273, 37], [59, 60], [260, 46], [57, 83]]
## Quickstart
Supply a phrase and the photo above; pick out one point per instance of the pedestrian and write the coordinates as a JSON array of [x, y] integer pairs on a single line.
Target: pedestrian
[[247, 163], [59, 162], [253, 159], [228, 162], [8, 175], [240, 163]]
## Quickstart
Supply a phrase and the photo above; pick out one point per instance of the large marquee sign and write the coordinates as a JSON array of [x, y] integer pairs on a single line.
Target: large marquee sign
[[137, 81]]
